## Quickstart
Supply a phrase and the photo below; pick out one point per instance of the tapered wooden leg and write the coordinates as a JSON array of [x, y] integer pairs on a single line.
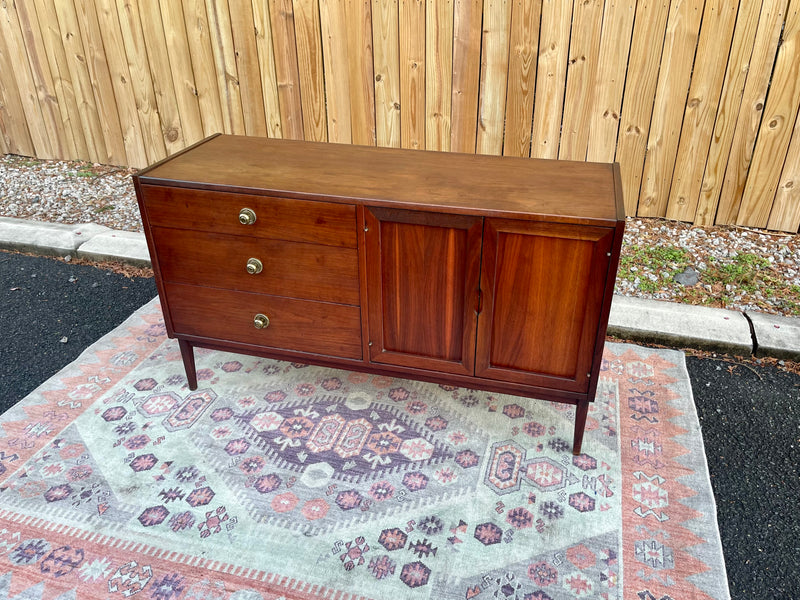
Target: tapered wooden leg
[[187, 354], [581, 410]]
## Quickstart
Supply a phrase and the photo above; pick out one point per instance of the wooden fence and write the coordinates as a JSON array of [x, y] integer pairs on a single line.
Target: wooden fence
[[697, 100]]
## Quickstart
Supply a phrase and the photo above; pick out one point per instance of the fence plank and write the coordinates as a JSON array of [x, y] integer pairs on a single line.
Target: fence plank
[[587, 20], [82, 85], [60, 136], [551, 77], [612, 63], [266, 63], [337, 75], [759, 72], [13, 124], [309, 58], [230, 93], [673, 85], [439, 74], [730, 103], [386, 44], [785, 213], [288, 79], [198, 34], [494, 75], [412, 74], [714, 47], [23, 78], [523, 50], [360, 60], [637, 102], [154, 138], [776, 127], [121, 82], [466, 74], [247, 68]]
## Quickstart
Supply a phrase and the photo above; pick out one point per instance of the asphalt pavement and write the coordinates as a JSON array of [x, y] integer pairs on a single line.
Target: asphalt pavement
[[51, 310]]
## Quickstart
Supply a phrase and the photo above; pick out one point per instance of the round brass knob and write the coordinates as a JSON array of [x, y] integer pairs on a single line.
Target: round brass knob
[[261, 321], [247, 216], [254, 266]]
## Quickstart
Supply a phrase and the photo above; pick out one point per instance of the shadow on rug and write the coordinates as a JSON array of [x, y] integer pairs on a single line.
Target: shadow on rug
[[280, 480]]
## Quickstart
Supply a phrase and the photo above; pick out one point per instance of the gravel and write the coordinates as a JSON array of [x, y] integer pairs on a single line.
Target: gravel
[[733, 267]]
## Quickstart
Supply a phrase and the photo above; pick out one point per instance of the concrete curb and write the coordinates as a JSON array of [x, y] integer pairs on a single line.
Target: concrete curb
[[635, 319]]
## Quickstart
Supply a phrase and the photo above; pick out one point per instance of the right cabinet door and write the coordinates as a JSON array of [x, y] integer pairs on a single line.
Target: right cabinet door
[[542, 287]]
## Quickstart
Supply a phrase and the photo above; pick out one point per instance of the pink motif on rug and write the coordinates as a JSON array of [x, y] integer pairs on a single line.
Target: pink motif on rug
[[278, 480]]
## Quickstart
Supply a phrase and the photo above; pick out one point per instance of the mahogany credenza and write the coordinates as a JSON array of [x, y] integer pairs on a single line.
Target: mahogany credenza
[[486, 272]]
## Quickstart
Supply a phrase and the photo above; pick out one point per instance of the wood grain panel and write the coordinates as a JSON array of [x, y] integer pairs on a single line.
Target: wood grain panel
[[551, 77], [524, 48], [266, 63], [286, 70], [386, 44], [422, 271], [247, 67], [198, 34], [219, 24], [702, 104], [785, 213], [412, 74], [337, 81], [13, 125], [776, 127], [438, 74], [298, 325], [359, 61], [466, 74], [741, 54], [294, 270], [309, 59], [494, 75]]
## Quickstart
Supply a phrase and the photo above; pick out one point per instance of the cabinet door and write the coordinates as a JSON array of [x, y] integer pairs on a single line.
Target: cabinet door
[[422, 288], [543, 287]]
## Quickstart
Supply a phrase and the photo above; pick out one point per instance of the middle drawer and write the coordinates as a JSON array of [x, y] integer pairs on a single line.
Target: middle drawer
[[290, 269]]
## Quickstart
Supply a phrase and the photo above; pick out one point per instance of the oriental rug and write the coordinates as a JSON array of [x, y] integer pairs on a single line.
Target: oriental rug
[[280, 480]]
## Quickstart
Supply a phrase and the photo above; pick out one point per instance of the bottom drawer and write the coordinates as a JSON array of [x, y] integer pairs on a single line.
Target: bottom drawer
[[299, 325]]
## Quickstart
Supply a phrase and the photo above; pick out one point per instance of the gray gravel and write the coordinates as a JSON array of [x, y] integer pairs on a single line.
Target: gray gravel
[[77, 192]]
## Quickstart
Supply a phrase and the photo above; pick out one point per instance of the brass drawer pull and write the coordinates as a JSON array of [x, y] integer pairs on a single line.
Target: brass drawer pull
[[254, 266], [247, 216], [261, 321]]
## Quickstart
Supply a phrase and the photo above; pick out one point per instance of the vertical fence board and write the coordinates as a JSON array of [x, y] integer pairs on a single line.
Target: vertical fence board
[[551, 77], [23, 78], [61, 143], [288, 79], [439, 74], [337, 75], [759, 72], [673, 86], [730, 102], [247, 68], [79, 74], [309, 59], [121, 82], [466, 74], [713, 49], [412, 74], [494, 76], [150, 120], [637, 102], [230, 93], [587, 21], [612, 64], [785, 213], [266, 64], [13, 124], [776, 127], [523, 50], [386, 44], [198, 34], [360, 60]]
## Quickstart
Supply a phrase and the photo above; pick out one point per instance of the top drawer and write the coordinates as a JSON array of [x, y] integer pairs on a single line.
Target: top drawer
[[277, 218]]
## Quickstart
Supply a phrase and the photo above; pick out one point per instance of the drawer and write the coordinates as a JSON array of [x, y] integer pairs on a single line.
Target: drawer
[[293, 269], [298, 325], [278, 218]]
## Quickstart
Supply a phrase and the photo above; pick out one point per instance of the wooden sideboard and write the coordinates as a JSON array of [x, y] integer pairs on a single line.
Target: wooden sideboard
[[477, 271]]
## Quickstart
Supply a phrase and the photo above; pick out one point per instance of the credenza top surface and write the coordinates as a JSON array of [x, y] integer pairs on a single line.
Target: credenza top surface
[[463, 183]]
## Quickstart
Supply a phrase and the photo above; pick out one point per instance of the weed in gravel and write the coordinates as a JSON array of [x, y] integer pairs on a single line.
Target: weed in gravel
[[652, 267]]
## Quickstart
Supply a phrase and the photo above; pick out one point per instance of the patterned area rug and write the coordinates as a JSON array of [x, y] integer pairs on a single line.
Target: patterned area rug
[[279, 480]]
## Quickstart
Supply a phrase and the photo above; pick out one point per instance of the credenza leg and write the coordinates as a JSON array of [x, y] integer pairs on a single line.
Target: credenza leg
[[187, 354], [581, 410]]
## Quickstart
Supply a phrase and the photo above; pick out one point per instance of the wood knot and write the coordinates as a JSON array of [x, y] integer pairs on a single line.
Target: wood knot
[[171, 134]]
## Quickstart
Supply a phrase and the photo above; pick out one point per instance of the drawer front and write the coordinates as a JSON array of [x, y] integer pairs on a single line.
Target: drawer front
[[278, 218], [292, 269], [298, 325]]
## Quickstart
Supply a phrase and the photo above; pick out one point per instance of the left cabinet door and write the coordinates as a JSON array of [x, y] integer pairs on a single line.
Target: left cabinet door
[[423, 275]]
